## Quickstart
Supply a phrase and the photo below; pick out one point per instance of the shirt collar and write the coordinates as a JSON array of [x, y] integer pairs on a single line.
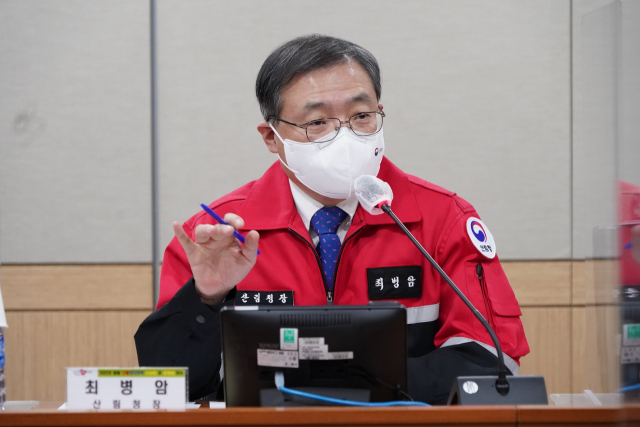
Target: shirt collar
[[269, 205], [307, 206]]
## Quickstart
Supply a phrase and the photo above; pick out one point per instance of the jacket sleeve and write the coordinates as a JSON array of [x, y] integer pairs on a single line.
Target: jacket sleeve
[[431, 376], [176, 270], [463, 346], [185, 332]]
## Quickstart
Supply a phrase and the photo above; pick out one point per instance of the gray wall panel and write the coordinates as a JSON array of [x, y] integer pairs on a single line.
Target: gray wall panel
[[629, 92], [606, 118], [74, 131], [593, 137], [477, 96]]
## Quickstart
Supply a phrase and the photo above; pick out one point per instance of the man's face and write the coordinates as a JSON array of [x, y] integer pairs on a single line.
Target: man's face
[[340, 91]]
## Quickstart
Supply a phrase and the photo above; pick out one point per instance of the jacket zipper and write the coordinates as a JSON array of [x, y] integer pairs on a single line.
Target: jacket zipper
[[319, 261], [485, 293], [335, 272]]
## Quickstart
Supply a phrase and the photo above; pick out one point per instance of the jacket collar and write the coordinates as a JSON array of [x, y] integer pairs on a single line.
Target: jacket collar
[[269, 204]]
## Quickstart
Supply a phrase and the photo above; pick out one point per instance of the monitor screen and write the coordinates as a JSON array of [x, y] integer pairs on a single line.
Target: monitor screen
[[338, 351]]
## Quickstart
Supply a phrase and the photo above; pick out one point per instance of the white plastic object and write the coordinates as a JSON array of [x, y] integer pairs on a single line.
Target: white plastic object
[[372, 191]]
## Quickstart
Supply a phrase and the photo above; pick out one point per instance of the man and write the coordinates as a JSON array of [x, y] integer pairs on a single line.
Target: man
[[320, 97]]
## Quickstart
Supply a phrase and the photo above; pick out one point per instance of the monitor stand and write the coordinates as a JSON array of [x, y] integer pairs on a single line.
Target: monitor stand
[[273, 397]]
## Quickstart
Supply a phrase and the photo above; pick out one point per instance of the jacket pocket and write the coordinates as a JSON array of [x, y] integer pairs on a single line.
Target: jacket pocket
[[498, 290], [476, 293], [503, 308], [490, 292]]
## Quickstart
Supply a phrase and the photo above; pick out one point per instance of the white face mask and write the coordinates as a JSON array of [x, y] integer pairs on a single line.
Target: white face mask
[[330, 168]]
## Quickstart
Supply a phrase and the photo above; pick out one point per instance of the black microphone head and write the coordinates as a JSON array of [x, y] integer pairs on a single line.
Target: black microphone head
[[372, 191]]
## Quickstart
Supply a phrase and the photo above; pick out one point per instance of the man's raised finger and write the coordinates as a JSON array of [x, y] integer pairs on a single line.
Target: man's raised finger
[[203, 233], [250, 247], [183, 238], [219, 233], [234, 220], [222, 232]]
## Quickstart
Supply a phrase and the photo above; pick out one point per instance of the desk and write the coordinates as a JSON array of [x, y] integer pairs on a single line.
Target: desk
[[45, 414]]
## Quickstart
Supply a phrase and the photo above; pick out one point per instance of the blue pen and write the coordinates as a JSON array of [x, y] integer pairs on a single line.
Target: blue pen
[[217, 217]]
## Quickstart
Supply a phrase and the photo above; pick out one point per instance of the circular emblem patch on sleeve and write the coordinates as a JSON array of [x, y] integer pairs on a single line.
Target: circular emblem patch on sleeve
[[481, 237]]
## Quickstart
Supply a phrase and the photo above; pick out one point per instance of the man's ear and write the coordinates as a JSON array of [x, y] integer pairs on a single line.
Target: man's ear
[[268, 136]]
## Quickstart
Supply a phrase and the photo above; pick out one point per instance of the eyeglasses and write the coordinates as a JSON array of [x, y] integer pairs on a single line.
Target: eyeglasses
[[323, 130]]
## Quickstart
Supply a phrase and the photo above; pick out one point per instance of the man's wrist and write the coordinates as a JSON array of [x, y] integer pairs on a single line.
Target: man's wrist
[[210, 299]]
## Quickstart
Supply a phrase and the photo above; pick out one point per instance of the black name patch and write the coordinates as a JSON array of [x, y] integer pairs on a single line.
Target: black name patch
[[264, 298], [395, 282]]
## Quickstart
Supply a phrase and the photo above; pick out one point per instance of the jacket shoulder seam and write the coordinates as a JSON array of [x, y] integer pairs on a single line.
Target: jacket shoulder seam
[[430, 186], [463, 210]]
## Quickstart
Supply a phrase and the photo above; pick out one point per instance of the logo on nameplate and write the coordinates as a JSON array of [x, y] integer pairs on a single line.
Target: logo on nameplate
[[481, 237], [395, 282], [268, 298]]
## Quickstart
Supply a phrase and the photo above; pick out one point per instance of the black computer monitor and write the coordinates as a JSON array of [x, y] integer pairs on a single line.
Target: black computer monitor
[[348, 352]]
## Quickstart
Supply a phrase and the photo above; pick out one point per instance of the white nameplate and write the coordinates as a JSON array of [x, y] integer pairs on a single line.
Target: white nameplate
[[127, 388]]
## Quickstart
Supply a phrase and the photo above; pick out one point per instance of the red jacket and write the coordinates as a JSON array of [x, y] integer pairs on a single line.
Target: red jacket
[[628, 218], [435, 216]]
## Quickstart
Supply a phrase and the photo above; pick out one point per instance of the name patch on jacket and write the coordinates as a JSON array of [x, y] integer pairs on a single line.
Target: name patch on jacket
[[264, 298], [395, 282]]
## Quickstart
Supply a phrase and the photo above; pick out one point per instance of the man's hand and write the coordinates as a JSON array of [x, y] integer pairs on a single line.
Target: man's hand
[[217, 259]]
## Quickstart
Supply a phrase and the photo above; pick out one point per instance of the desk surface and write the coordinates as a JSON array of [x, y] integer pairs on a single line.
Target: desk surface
[[46, 414]]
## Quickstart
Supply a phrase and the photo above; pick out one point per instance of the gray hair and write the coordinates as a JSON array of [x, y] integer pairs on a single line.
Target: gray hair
[[302, 55]]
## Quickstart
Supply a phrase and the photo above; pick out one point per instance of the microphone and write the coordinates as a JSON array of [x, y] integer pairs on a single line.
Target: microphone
[[375, 196], [372, 193]]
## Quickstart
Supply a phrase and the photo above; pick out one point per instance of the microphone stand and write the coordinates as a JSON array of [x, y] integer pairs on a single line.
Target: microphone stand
[[534, 394]]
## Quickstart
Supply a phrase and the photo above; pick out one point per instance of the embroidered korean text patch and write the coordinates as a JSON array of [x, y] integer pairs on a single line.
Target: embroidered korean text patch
[[395, 282], [264, 298]]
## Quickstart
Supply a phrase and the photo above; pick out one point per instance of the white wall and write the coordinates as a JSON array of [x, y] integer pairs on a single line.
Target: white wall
[[629, 92], [606, 117], [478, 97], [74, 131]]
